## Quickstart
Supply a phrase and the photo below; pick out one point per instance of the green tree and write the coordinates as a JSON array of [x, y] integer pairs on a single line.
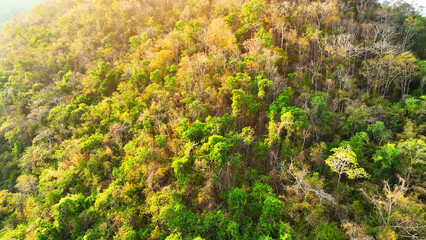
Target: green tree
[[179, 219], [237, 200], [252, 13], [387, 156], [378, 131], [327, 232], [270, 218]]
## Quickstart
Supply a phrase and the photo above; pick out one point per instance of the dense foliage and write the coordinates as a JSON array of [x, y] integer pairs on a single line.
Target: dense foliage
[[213, 119]]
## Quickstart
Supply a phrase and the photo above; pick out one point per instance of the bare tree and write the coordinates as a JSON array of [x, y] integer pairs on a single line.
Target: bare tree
[[394, 209], [302, 186]]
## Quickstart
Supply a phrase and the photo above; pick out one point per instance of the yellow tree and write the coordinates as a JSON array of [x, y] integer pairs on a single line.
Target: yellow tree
[[344, 161], [220, 38], [407, 68]]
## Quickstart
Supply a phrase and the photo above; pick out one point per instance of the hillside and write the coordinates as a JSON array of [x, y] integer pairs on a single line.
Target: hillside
[[213, 119]]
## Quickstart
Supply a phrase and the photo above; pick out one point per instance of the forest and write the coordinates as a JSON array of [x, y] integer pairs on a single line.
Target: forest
[[213, 119]]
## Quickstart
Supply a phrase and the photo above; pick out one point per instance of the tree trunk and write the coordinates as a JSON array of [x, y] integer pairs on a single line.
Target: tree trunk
[[338, 182]]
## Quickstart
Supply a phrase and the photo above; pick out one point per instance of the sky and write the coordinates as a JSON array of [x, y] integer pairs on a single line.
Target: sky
[[421, 3], [10, 8]]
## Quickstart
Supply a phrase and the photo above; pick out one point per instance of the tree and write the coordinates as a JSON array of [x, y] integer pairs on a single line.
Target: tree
[[27, 184], [399, 211], [104, 80], [380, 73], [407, 68], [308, 185], [387, 155], [174, 236], [179, 218], [344, 161], [237, 199], [383, 71], [214, 225], [220, 38], [413, 155], [378, 131], [319, 115], [252, 14], [355, 231], [271, 212], [6, 207], [325, 231], [243, 104]]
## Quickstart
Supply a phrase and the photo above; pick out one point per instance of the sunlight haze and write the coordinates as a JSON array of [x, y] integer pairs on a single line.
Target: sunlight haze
[[10, 8]]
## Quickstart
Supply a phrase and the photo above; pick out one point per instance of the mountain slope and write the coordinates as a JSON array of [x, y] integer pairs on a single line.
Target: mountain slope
[[155, 119]]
